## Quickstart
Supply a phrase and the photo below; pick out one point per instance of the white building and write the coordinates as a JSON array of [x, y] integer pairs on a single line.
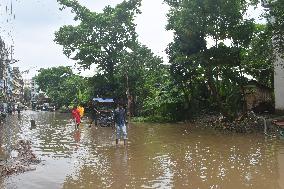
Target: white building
[[34, 90], [278, 68], [27, 83], [279, 83], [6, 85], [18, 85]]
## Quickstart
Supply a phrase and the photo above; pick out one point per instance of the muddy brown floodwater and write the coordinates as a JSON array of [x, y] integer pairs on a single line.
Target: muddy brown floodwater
[[157, 156]]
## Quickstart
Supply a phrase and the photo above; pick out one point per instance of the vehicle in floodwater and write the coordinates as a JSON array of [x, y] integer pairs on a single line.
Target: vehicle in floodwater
[[106, 108]]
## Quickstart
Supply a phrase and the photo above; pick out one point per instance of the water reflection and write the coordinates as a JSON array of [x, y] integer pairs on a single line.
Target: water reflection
[[77, 136], [157, 156]]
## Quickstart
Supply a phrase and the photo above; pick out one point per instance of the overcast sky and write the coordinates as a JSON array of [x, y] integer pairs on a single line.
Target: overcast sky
[[36, 21]]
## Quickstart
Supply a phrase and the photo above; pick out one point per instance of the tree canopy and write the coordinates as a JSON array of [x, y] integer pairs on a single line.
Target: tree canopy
[[99, 38], [210, 40], [275, 17], [62, 86], [215, 51]]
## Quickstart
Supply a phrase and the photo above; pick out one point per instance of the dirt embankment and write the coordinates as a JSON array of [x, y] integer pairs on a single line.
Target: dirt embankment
[[23, 160], [243, 124]]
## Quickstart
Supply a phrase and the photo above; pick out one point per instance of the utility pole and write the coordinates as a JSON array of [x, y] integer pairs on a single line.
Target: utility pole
[[129, 98], [278, 67], [12, 52]]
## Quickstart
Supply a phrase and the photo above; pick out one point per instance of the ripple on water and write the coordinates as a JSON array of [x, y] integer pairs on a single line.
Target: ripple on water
[[157, 156]]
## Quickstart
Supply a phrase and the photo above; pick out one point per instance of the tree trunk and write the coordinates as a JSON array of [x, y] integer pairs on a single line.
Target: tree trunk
[[129, 99]]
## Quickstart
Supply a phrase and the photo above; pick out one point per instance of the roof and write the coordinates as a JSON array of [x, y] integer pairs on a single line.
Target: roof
[[110, 100], [253, 83], [279, 123]]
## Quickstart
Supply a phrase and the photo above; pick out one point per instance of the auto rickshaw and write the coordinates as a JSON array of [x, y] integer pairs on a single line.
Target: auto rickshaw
[[106, 108]]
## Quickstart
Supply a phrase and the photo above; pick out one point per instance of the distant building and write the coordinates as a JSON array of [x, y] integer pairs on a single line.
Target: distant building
[[11, 81], [9, 84], [34, 90], [4, 71], [27, 83], [18, 85]]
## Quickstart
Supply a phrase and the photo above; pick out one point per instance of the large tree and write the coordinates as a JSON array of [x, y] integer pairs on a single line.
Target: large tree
[[136, 76], [99, 38], [141, 71], [275, 17], [258, 58], [200, 53], [62, 86]]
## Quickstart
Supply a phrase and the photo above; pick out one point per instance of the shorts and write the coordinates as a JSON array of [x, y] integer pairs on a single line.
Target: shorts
[[121, 128]]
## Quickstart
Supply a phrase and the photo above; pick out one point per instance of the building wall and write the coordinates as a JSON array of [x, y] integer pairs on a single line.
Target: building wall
[[4, 65], [279, 84], [34, 90], [255, 96], [27, 83], [18, 85], [11, 81], [9, 84]]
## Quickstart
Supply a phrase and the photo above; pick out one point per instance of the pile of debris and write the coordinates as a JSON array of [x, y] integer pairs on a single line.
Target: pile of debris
[[243, 124], [22, 161]]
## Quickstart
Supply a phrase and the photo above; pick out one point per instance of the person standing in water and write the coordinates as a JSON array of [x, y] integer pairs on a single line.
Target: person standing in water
[[18, 109], [94, 113], [120, 123], [76, 116]]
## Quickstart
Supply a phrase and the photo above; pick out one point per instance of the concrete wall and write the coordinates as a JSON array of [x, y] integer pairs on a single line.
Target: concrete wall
[[279, 84]]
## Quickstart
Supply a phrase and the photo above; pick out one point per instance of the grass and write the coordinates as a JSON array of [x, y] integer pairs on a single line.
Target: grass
[[151, 119]]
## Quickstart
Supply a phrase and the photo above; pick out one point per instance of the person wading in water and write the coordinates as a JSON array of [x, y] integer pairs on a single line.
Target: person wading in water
[[76, 117], [120, 122], [94, 113]]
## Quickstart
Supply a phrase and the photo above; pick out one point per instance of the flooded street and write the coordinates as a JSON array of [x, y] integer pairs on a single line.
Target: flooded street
[[157, 156]]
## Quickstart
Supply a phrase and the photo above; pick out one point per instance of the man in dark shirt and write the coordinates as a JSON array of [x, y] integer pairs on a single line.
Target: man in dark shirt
[[94, 112], [120, 122]]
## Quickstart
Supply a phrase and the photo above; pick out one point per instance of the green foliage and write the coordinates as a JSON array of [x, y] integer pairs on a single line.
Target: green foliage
[[62, 86], [109, 40], [258, 59], [140, 72], [143, 69], [214, 50], [51, 77], [275, 16], [200, 60], [99, 38], [165, 100], [152, 119]]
